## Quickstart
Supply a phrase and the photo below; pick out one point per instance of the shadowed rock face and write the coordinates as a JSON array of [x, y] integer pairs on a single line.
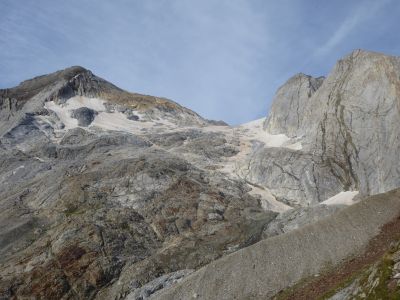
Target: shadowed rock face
[[84, 115]]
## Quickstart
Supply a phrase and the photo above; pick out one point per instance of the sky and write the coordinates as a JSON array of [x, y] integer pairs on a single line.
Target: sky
[[223, 59]]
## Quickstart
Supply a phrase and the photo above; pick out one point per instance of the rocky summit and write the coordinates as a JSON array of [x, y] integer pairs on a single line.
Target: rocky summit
[[107, 194]]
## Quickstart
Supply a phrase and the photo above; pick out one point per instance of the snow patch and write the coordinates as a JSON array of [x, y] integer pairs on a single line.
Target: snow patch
[[104, 120], [119, 122], [63, 111], [250, 135], [254, 131], [63, 114], [343, 198], [80, 101]]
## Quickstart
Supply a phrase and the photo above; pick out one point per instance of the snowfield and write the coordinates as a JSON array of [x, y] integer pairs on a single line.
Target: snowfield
[[343, 198], [254, 131], [105, 120]]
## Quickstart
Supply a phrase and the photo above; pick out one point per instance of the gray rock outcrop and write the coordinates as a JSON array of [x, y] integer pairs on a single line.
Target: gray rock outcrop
[[347, 125], [291, 106], [84, 115], [262, 270]]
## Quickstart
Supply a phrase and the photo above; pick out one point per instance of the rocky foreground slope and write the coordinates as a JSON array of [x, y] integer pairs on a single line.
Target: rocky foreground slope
[[107, 194], [262, 270]]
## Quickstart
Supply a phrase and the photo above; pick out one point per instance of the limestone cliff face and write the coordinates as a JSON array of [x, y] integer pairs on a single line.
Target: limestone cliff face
[[357, 123], [291, 106], [348, 123]]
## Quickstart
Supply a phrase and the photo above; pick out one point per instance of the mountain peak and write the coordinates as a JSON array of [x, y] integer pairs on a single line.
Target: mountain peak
[[360, 55], [31, 96], [46, 79]]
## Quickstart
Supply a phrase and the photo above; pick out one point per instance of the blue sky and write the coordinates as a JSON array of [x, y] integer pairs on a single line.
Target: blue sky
[[222, 58]]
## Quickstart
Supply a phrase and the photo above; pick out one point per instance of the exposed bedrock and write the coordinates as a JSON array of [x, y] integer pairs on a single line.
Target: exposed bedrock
[[84, 115], [349, 125], [291, 105], [262, 270]]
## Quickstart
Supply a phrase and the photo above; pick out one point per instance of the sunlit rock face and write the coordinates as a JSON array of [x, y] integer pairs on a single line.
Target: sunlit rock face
[[291, 106], [348, 124]]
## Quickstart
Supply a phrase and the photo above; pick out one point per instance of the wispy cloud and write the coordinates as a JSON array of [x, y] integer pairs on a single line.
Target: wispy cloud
[[224, 59], [358, 17]]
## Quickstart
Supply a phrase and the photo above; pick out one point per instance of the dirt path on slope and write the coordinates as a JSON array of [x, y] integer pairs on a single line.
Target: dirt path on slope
[[315, 288]]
